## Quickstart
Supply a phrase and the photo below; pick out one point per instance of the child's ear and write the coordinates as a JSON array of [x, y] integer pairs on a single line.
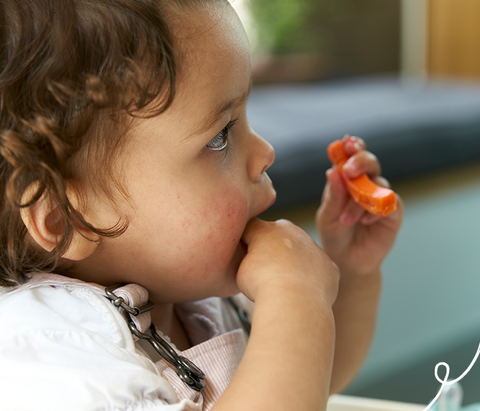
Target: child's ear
[[45, 225]]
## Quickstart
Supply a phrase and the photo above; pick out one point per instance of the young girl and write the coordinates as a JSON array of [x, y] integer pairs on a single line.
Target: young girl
[[127, 158]]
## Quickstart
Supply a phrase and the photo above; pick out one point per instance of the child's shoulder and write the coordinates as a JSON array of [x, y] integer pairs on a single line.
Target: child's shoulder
[[57, 308], [71, 343]]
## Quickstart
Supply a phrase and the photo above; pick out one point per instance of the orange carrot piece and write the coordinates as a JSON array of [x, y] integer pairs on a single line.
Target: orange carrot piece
[[373, 198]]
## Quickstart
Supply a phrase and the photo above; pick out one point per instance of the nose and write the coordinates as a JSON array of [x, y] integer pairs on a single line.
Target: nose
[[261, 156]]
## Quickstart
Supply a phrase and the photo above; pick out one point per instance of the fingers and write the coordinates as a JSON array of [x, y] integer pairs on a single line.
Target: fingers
[[257, 229], [382, 182], [336, 202], [361, 161], [252, 229], [353, 213], [337, 205], [335, 196], [281, 253], [353, 144]]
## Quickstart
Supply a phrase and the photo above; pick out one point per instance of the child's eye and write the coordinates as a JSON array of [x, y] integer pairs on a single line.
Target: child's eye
[[220, 141]]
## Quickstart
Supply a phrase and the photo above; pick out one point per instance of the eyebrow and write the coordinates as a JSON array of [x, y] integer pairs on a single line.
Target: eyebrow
[[221, 109]]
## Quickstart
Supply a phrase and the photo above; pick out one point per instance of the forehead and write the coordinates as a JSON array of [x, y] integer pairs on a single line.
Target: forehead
[[212, 52]]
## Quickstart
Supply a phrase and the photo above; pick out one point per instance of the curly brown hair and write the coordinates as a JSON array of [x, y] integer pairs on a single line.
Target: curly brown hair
[[71, 74]]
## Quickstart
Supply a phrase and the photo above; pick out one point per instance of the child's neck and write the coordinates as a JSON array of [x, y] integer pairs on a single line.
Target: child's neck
[[167, 321]]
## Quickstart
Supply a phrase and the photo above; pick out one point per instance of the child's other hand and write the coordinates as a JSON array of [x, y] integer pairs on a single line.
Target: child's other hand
[[354, 239], [284, 257]]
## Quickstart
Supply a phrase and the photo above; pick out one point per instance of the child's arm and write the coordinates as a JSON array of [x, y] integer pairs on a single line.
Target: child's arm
[[288, 361], [358, 242]]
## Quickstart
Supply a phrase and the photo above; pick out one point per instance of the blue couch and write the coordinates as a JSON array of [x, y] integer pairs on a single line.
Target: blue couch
[[412, 126]]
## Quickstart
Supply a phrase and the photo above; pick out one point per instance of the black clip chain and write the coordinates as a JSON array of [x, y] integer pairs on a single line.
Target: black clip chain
[[187, 371]]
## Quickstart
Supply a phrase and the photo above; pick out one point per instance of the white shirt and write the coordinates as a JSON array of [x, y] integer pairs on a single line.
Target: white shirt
[[69, 348]]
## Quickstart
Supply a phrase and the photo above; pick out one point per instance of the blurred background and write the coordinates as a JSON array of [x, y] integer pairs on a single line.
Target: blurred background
[[405, 76], [307, 40]]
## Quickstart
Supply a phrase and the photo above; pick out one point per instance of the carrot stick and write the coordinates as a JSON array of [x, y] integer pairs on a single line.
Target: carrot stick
[[373, 198]]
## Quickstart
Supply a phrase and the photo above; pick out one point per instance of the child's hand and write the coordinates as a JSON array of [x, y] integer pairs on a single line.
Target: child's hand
[[294, 285], [281, 255], [354, 239]]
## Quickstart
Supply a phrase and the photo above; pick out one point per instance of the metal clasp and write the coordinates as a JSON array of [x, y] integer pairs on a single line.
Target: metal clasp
[[120, 302], [187, 371]]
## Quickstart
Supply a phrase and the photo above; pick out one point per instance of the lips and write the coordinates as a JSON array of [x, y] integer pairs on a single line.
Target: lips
[[272, 202], [271, 198]]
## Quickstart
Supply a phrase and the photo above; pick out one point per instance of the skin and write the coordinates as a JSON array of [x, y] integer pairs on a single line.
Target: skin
[[189, 203], [357, 242], [189, 208]]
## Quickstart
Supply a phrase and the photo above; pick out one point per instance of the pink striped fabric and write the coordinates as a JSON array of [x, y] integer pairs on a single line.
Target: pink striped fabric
[[218, 358]]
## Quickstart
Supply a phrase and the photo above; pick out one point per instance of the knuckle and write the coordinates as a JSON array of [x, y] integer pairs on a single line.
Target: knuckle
[[283, 221], [369, 162]]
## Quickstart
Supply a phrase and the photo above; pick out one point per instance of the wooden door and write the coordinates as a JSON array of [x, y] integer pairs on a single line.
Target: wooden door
[[454, 38]]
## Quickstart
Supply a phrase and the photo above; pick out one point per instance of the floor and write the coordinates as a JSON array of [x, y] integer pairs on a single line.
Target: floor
[[430, 310]]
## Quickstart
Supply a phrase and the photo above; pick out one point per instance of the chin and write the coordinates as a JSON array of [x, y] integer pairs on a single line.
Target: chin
[[229, 286]]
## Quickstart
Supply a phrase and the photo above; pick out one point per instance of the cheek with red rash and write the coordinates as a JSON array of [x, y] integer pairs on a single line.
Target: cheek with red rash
[[217, 227]]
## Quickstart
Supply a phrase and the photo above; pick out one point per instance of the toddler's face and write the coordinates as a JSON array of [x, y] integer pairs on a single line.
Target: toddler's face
[[195, 174]]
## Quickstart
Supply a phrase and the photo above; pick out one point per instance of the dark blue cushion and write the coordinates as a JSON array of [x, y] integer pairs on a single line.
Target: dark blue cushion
[[413, 127]]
